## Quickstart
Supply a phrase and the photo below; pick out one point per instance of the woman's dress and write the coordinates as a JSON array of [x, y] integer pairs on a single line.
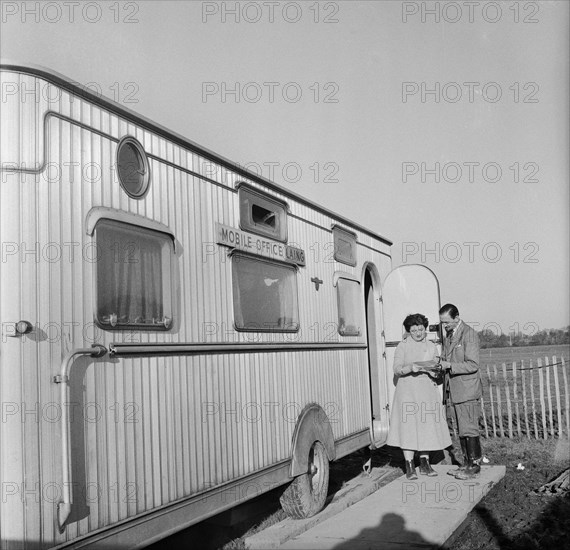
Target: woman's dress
[[418, 420]]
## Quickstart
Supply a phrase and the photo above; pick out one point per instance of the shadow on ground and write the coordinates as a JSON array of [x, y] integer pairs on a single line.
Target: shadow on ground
[[390, 524]]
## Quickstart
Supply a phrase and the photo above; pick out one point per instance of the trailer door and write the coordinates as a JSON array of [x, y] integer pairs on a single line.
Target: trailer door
[[378, 394], [408, 289]]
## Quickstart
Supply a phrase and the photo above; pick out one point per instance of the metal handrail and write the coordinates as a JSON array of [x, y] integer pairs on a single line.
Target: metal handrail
[[64, 507]]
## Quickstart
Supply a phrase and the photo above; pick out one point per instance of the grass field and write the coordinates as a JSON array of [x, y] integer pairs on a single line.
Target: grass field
[[527, 358], [497, 356]]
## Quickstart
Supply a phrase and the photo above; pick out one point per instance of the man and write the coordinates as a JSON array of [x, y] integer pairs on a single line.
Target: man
[[462, 386]]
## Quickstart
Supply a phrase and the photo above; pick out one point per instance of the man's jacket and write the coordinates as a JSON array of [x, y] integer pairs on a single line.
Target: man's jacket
[[463, 379]]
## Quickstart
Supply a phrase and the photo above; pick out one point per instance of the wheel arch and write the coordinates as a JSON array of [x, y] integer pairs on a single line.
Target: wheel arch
[[312, 425]]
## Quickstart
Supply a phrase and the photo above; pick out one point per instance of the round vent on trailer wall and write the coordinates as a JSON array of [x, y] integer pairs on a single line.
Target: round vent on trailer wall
[[132, 167]]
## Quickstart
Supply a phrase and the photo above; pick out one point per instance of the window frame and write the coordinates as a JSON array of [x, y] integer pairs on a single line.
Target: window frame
[[349, 236], [248, 197], [338, 276], [237, 256], [167, 255], [145, 186]]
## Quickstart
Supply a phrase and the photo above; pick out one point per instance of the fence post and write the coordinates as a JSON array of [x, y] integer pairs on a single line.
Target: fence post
[[491, 400], [516, 398], [566, 397], [499, 404], [549, 395], [557, 390], [525, 409], [541, 393], [531, 371], [508, 396]]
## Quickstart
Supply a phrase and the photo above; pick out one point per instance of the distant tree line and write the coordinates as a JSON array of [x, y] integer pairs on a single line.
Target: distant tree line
[[490, 339]]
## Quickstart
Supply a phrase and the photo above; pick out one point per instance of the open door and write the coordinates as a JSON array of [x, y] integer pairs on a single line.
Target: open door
[[378, 394], [408, 289]]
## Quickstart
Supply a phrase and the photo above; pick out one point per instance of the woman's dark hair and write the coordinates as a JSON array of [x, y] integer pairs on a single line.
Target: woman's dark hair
[[415, 319]]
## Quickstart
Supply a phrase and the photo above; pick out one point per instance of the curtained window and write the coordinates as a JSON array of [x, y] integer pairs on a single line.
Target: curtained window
[[265, 295], [133, 277]]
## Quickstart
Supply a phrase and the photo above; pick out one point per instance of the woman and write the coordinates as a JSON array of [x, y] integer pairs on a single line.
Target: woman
[[418, 421]]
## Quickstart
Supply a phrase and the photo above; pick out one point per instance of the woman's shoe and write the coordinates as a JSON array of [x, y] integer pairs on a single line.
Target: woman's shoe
[[425, 467], [410, 470]]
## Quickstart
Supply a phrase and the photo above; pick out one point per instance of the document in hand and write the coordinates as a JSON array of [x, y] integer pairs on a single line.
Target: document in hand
[[432, 364]]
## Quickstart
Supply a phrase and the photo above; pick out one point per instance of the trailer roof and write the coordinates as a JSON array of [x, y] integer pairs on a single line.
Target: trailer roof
[[64, 82]]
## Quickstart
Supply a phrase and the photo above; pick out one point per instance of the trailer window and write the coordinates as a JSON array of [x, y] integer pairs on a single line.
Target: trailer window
[[265, 295], [133, 277], [344, 246], [349, 307], [262, 215]]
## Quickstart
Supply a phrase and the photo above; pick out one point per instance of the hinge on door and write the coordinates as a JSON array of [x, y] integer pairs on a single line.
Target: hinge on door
[[384, 354], [381, 299], [387, 407], [383, 334]]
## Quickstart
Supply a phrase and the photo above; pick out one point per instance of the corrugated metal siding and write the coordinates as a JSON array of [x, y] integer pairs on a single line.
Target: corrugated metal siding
[[150, 431]]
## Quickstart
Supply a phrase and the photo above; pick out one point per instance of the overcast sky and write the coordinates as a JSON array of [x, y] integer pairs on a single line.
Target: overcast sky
[[443, 126]]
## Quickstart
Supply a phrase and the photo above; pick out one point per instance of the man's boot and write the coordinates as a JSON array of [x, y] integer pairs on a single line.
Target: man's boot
[[473, 459], [462, 441]]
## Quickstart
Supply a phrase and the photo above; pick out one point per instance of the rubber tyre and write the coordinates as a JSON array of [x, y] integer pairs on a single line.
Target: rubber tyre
[[306, 494]]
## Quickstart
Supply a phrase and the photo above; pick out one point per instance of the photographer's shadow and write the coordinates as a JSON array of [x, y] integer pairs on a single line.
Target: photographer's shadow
[[391, 532]]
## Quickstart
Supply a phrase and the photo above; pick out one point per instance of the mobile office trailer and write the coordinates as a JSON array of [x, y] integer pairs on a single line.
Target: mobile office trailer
[[178, 334]]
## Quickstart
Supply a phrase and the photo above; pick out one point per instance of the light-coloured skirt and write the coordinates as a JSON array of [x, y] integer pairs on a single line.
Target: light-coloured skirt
[[417, 420]]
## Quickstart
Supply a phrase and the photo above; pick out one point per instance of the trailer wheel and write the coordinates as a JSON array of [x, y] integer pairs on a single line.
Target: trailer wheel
[[306, 494]]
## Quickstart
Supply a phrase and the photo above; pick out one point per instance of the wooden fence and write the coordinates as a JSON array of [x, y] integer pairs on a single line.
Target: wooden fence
[[526, 398]]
